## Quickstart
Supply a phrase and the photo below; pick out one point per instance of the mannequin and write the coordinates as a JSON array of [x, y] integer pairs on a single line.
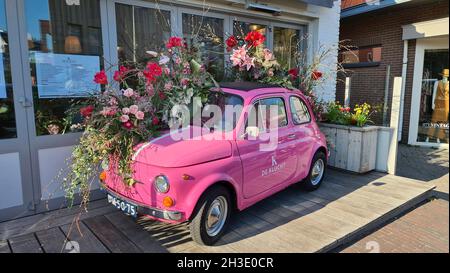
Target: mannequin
[[440, 106]]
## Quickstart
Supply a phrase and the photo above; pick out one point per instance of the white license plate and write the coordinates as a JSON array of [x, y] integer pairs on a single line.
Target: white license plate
[[122, 205]]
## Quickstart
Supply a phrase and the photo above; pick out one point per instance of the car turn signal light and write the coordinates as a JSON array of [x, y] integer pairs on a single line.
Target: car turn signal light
[[168, 202], [102, 176]]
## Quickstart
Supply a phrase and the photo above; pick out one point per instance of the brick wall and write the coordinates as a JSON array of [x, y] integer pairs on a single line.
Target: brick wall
[[383, 28]]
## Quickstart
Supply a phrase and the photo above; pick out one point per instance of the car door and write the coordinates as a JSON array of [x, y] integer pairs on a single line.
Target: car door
[[269, 159], [304, 134]]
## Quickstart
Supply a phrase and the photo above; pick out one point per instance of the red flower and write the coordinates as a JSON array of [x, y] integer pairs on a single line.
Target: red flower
[[316, 75], [152, 71], [231, 42], [120, 74], [128, 125], [155, 121], [255, 38], [101, 78], [162, 95], [174, 42], [293, 73], [87, 111]]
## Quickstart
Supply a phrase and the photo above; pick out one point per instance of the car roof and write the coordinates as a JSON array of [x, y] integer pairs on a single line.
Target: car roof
[[249, 90]]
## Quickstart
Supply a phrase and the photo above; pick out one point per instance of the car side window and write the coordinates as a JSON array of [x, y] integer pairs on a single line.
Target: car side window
[[267, 114], [300, 112]]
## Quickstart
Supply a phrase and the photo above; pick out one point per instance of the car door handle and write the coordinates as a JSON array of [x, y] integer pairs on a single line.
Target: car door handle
[[291, 137]]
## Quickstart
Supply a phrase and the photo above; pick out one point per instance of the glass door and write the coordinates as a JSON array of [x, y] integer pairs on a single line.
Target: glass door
[[16, 187], [429, 123]]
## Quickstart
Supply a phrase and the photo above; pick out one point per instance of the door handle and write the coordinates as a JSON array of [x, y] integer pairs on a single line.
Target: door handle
[[291, 137]]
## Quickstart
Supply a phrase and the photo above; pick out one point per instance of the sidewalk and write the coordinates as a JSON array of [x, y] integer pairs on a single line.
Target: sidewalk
[[424, 229]]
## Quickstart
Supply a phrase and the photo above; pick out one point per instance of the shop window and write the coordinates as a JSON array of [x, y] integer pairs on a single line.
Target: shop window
[[139, 30], [240, 29], [434, 106], [289, 47], [362, 56], [207, 35], [7, 115], [65, 51]]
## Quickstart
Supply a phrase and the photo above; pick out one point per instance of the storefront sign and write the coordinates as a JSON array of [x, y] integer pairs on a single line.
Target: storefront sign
[[2, 79], [63, 75]]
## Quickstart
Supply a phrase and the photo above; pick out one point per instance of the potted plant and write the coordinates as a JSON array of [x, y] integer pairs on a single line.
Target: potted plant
[[352, 141]]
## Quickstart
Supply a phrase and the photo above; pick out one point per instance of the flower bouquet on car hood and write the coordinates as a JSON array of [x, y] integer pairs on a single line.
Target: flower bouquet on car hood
[[132, 107]]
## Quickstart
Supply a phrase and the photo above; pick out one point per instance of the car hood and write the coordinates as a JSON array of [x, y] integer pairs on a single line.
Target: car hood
[[169, 151]]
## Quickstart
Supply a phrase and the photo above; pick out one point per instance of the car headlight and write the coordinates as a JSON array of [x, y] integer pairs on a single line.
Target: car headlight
[[162, 184]]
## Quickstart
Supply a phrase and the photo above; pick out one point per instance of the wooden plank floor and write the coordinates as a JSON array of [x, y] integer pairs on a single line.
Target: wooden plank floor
[[290, 221]]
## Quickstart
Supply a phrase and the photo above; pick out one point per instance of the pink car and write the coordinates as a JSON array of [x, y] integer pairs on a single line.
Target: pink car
[[232, 165]]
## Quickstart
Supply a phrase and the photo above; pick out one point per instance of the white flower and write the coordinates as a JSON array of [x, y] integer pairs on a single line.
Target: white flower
[[152, 53], [163, 60]]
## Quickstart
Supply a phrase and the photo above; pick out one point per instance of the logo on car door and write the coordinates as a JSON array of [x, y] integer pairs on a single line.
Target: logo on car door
[[275, 167]]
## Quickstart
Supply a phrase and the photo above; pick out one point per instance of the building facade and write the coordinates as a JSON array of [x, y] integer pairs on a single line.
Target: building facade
[[51, 48], [408, 39]]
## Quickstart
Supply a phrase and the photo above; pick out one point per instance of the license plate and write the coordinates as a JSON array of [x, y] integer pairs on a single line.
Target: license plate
[[122, 205]]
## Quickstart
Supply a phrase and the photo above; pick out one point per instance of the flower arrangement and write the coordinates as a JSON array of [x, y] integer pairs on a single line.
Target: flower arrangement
[[250, 59], [360, 116], [132, 108]]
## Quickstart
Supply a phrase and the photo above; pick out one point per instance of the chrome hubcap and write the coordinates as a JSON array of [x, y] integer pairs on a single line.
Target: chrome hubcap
[[216, 217], [317, 172]]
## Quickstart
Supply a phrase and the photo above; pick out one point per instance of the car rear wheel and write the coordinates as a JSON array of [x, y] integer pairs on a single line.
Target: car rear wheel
[[316, 172], [211, 216]]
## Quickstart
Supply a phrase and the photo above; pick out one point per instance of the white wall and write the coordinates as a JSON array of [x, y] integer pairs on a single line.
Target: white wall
[[326, 29]]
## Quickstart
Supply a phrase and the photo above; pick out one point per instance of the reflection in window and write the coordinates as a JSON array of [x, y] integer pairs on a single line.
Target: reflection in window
[[300, 113], [368, 55], [206, 34], [65, 48], [140, 30], [7, 115], [240, 29], [434, 106], [287, 46], [268, 114]]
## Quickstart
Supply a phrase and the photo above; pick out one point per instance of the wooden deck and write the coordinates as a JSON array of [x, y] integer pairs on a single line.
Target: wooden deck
[[345, 207]]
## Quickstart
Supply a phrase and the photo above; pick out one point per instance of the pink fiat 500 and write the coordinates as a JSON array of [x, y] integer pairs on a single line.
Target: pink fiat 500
[[232, 165]]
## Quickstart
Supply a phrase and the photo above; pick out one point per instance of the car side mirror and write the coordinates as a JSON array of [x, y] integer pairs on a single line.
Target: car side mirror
[[252, 132]]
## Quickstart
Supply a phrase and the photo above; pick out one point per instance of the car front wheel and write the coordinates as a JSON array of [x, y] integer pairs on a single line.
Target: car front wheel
[[316, 172], [211, 217]]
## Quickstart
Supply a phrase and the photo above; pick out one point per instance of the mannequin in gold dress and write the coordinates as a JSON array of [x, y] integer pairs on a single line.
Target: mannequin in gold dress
[[440, 107]]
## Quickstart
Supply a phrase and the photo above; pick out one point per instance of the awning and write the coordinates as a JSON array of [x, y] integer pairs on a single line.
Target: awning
[[322, 3]]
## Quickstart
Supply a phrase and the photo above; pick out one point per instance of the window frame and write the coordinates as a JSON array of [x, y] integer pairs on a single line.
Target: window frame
[[307, 110], [362, 64], [267, 130]]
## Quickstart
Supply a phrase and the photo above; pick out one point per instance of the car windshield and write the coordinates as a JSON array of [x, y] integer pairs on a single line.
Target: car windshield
[[222, 111]]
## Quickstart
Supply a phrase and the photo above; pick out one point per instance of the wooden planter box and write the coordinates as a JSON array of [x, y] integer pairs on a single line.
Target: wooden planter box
[[351, 148]]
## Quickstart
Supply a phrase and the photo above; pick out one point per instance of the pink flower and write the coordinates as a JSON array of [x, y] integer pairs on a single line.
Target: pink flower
[[270, 73], [268, 55], [134, 109], [128, 93], [140, 115], [178, 60], [150, 89], [126, 111], [108, 111], [168, 86], [113, 101], [249, 63], [124, 118], [184, 81], [238, 56]]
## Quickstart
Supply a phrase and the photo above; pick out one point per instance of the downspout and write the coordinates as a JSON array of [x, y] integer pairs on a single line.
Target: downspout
[[402, 98]]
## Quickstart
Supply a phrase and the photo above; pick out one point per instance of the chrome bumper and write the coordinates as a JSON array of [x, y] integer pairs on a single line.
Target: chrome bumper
[[146, 210]]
